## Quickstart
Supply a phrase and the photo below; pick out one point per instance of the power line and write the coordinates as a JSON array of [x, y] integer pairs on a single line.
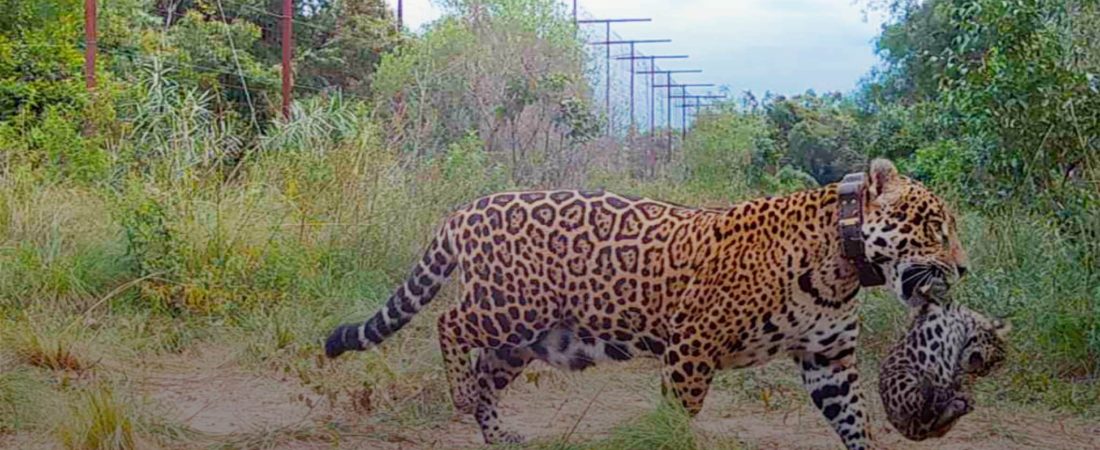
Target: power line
[[237, 62], [239, 10], [607, 43], [203, 68], [306, 24]]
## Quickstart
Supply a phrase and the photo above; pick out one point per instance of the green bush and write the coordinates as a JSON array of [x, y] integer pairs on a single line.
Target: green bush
[[510, 70], [1001, 98], [722, 156], [942, 163], [467, 168], [40, 61]]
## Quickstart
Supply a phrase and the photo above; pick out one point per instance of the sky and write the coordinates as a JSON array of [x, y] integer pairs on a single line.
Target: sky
[[782, 46]]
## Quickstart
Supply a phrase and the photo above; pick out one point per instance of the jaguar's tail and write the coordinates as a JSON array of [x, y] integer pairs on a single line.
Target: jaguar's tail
[[419, 289]]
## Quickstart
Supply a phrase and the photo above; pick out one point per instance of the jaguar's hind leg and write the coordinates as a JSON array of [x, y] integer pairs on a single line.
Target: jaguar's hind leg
[[456, 361], [496, 368], [950, 411]]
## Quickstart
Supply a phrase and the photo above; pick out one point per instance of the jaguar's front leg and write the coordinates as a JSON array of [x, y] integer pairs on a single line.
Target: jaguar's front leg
[[832, 380]]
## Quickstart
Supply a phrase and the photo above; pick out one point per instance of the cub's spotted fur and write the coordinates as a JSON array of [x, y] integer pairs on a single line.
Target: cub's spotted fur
[[573, 278], [921, 382]]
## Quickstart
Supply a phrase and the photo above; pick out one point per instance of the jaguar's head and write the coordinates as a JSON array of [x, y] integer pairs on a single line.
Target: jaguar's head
[[909, 233]]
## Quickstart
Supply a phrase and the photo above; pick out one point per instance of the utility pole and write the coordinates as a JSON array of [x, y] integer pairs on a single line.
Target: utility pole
[[89, 43], [683, 117], [683, 94], [632, 58], [650, 157], [400, 15], [699, 105], [668, 111], [287, 38], [608, 43], [652, 66], [684, 106]]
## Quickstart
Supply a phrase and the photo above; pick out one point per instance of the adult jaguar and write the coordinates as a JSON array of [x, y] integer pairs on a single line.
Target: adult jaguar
[[572, 278]]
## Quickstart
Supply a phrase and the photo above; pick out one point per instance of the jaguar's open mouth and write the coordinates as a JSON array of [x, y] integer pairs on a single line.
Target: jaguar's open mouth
[[916, 277]]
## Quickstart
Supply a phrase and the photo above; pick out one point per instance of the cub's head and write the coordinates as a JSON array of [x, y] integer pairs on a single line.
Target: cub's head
[[985, 345], [909, 233]]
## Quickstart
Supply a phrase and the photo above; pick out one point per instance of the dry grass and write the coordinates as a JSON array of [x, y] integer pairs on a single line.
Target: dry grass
[[48, 352], [26, 399], [42, 345], [98, 421]]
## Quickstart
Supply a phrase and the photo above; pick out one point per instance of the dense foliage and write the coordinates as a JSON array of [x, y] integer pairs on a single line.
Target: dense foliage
[[996, 102], [1001, 97]]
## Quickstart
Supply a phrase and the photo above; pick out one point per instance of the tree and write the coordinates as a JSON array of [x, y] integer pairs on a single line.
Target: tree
[[40, 57], [820, 134]]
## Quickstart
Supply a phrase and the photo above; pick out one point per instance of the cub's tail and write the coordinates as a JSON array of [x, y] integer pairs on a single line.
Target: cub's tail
[[407, 300]]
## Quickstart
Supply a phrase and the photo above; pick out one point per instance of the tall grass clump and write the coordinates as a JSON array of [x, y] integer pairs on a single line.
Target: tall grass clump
[[52, 351], [1039, 277], [1033, 273], [204, 221], [56, 242], [319, 207], [99, 420]]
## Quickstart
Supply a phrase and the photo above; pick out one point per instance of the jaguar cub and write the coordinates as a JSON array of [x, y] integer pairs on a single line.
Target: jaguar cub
[[922, 381]]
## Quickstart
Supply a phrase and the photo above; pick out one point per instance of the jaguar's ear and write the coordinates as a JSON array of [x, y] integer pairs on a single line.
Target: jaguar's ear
[[881, 177]]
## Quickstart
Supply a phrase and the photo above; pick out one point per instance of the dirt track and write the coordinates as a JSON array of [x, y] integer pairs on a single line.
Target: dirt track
[[228, 404]]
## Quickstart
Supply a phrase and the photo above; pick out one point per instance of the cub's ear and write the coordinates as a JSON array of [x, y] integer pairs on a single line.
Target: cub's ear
[[882, 175], [1002, 327], [974, 363]]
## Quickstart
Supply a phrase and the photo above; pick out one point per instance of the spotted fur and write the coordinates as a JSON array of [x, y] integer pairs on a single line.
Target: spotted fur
[[574, 278], [922, 380]]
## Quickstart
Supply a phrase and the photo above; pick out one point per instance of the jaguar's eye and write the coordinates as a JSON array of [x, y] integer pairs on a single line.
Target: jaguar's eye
[[936, 230]]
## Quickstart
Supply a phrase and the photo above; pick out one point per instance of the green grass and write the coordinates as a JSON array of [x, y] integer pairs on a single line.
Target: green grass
[[666, 428], [57, 244], [1030, 272], [271, 266]]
